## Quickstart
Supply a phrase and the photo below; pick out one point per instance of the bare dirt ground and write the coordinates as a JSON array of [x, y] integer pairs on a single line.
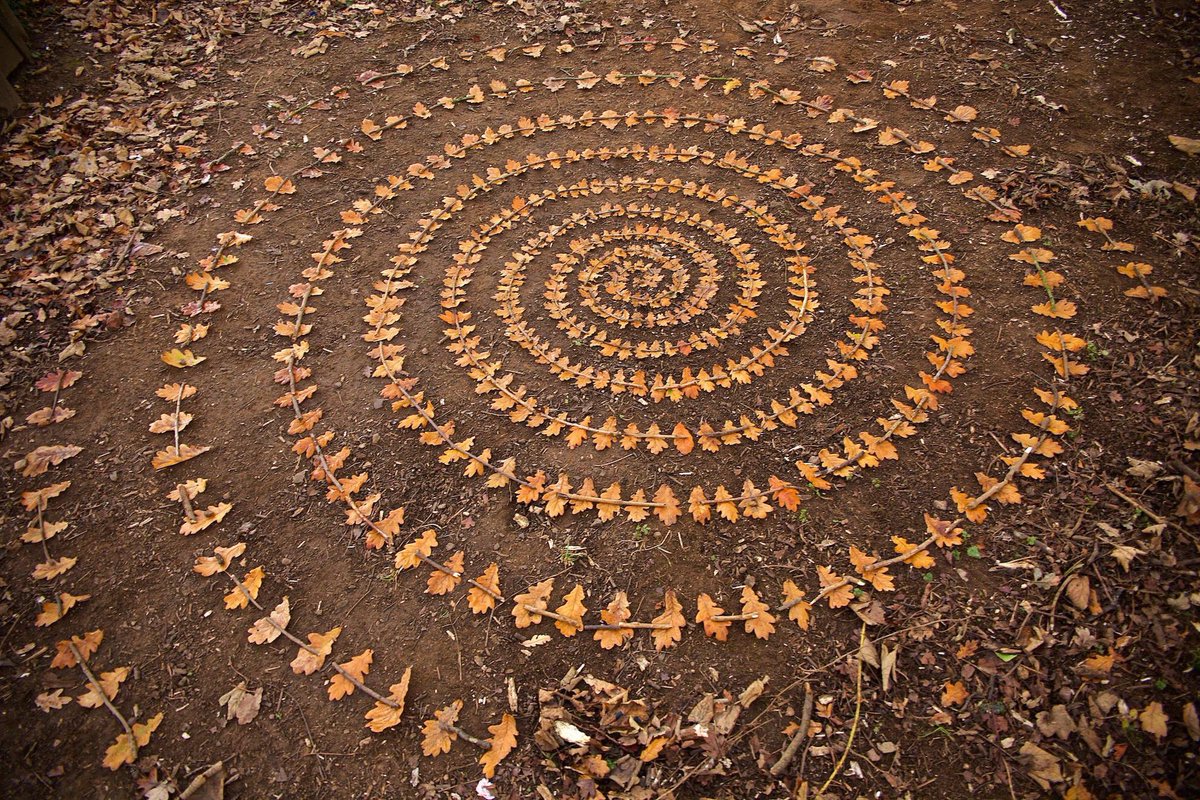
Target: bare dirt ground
[[601, 400]]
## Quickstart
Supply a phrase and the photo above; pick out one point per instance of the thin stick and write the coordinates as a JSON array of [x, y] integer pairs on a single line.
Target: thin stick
[[858, 698], [464, 735], [187, 502], [799, 736], [99, 689], [628, 626], [201, 779]]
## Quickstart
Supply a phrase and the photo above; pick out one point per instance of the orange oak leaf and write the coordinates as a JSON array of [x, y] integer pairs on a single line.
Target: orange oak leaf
[[125, 749], [358, 667], [251, 582], [310, 659], [573, 609], [445, 581], [387, 715], [527, 604], [502, 741], [438, 732], [615, 613], [762, 625], [706, 609], [411, 554], [672, 616], [480, 601], [798, 609]]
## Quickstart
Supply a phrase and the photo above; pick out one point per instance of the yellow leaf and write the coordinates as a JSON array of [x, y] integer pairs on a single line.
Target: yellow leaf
[[181, 358]]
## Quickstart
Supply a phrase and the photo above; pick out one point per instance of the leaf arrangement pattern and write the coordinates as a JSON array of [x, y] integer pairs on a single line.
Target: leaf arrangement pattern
[[639, 275]]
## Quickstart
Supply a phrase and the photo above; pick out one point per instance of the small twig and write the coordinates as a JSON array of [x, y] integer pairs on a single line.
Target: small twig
[[627, 626], [188, 511], [198, 782], [799, 736], [858, 698], [464, 735], [99, 689]]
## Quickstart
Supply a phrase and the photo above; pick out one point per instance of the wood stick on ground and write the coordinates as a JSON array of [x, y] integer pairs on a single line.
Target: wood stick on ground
[[200, 780], [799, 736], [858, 698], [99, 689]]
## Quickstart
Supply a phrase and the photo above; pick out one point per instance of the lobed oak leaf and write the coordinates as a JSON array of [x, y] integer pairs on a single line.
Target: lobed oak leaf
[[502, 741], [614, 613], [125, 749], [269, 628], [672, 616], [170, 456], [527, 604], [203, 519], [110, 684], [412, 553], [836, 589], [251, 583], [58, 380], [181, 359], [277, 184], [339, 685], [53, 611], [86, 645], [798, 609], [954, 694], [920, 559], [944, 533], [762, 624], [310, 659], [40, 459], [52, 701], [573, 609], [445, 581], [211, 565], [480, 601], [53, 567], [706, 609], [438, 732], [33, 500], [175, 392], [387, 715]]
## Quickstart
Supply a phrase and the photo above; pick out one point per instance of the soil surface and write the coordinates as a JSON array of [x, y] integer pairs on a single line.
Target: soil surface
[[483, 311]]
